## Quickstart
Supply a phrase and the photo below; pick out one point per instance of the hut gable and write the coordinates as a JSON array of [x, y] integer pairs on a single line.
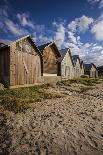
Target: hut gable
[[90, 70], [82, 67], [67, 65], [50, 56], [77, 66], [100, 71]]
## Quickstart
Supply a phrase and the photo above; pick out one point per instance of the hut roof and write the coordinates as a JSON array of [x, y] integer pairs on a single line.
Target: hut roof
[[63, 53], [2, 46], [100, 68], [88, 66], [42, 47], [75, 58], [27, 36]]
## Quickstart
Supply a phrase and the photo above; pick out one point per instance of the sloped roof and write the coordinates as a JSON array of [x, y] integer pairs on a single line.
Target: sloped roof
[[41, 47], [2, 46], [63, 53], [75, 58], [100, 68], [88, 67], [27, 36]]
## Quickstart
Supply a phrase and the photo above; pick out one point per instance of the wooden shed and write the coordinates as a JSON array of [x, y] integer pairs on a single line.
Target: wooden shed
[[82, 67], [51, 59], [67, 65], [77, 66], [20, 63], [100, 71], [91, 70]]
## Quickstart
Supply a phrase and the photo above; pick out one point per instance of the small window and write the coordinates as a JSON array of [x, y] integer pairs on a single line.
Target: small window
[[18, 46]]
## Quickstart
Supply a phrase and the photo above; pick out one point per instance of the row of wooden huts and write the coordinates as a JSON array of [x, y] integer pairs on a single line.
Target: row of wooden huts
[[22, 63]]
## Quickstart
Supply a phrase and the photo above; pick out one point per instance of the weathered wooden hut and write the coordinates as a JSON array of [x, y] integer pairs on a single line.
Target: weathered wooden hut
[[20, 63], [100, 71], [91, 70], [67, 65], [77, 66], [82, 67], [51, 59]]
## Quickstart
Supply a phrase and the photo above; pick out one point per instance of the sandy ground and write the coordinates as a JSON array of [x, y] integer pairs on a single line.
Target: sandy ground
[[71, 125]]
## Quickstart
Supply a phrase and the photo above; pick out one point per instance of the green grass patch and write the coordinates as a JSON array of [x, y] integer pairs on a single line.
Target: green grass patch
[[85, 89], [82, 80], [19, 100]]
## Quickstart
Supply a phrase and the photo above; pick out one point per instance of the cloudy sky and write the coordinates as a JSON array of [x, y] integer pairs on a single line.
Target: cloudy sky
[[77, 24]]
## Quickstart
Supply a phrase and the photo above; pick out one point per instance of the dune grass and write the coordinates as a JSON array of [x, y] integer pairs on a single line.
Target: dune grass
[[82, 80], [19, 100]]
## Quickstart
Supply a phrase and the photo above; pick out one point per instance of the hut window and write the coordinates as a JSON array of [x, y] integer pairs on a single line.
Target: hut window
[[18, 46]]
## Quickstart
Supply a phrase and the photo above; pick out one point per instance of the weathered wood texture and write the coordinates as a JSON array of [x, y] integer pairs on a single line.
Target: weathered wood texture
[[50, 61], [5, 66], [67, 67], [77, 69], [25, 64]]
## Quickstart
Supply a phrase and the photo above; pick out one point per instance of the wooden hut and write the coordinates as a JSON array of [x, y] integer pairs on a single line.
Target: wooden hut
[[67, 65], [91, 70], [51, 59], [100, 71], [77, 66], [82, 67], [20, 63]]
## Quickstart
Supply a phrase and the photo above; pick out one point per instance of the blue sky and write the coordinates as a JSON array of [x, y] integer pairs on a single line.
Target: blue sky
[[77, 24]]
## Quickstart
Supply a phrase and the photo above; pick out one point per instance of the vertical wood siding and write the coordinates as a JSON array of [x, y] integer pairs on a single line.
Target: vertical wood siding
[[50, 64], [4, 66], [25, 66]]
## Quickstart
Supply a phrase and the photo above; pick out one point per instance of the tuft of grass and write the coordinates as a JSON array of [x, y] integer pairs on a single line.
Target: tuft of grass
[[19, 100], [85, 89], [82, 80]]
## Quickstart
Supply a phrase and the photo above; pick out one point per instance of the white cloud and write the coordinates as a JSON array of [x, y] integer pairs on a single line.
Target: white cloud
[[97, 30], [14, 28], [93, 2], [59, 35], [80, 24], [24, 20], [72, 38]]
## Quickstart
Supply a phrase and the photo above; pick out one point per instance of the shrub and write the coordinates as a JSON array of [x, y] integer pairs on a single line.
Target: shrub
[[84, 76]]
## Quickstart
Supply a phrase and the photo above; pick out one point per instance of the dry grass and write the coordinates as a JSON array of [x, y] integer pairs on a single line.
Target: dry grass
[[83, 80], [19, 100]]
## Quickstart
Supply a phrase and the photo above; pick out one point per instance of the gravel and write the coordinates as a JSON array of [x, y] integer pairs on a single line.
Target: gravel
[[71, 125]]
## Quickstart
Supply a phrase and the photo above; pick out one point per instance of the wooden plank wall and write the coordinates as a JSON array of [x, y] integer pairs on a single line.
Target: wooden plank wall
[[50, 64], [4, 66], [25, 68]]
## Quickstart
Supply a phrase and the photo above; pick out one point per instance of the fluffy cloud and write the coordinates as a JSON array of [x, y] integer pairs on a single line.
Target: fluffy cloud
[[93, 2], [59, 35], [64, 34], [80, 24], [14, 28], [24, 20], [97, 30]]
